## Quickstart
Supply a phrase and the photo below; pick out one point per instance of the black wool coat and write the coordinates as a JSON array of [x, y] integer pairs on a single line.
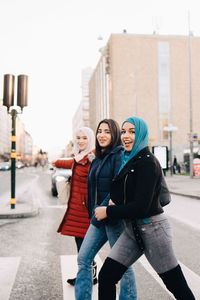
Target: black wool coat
[[135, 190]]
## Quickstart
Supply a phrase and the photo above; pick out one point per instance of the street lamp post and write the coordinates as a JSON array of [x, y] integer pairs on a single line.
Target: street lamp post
[[8, 100], [170, 128]]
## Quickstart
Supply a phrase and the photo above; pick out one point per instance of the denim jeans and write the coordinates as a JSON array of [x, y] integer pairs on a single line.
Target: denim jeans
[[94, 240]]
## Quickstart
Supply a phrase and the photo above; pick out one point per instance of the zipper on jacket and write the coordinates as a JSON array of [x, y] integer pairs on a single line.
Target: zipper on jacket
[[125, 180]]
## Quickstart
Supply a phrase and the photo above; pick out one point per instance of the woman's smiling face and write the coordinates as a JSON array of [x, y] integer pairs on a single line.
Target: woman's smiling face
[[128, 136], [104, 135], [82, 141]]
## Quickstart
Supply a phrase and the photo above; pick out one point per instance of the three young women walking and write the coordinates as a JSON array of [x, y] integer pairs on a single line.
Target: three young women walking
[[102, 171], [135, 191]]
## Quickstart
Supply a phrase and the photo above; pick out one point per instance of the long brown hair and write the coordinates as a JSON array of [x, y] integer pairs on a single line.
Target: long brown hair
[[115, 137]]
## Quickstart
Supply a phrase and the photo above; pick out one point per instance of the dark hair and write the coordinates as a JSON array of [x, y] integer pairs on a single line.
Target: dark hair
[[115, 137]]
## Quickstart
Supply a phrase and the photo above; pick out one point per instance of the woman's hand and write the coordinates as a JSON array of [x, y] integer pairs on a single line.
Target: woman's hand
[[111, 202], [100, 213]]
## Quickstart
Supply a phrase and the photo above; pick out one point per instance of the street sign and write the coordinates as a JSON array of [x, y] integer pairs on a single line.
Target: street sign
[[192, 137], [161, 152]]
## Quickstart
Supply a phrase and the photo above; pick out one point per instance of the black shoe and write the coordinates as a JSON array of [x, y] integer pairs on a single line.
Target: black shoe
[[94, 269], [71, 281]]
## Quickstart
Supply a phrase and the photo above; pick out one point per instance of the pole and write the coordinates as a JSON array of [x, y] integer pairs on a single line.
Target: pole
[[13, 158], [8, 101], [190, 83], [171, 164]]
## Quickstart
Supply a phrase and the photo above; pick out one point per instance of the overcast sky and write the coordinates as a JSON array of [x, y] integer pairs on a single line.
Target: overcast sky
[[51, 41]]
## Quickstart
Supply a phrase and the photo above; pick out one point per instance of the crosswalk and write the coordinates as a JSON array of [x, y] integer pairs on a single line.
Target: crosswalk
[[193, 279], [69, 270], [68, 263], [8, 271]]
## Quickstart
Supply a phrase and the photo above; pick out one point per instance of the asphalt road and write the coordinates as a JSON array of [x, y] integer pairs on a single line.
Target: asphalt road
[[31, 249]]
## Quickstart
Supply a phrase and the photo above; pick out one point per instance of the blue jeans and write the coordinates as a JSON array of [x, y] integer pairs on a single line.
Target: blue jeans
[[94, 240]]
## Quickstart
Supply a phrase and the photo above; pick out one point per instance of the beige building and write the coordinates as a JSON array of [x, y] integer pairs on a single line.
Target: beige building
[[81, 116], [20, 139], [5, 133], [148, 76]]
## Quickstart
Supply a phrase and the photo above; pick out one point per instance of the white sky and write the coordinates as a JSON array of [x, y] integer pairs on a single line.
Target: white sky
[[51, 41]]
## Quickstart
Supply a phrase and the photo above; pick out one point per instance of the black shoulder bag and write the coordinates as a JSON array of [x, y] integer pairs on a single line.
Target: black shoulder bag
[[165, 197]]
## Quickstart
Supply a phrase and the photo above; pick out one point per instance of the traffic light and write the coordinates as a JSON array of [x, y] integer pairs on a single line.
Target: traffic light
[[22, 90], [8, 91]]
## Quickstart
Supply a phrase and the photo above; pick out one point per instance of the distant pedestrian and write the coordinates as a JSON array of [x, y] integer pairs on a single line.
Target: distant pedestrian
[[135, 198], [175, 165], [103, 169], [76, 220]]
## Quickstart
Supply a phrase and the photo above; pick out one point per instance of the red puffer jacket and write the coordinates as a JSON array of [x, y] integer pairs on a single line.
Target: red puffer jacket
[[76, 220]]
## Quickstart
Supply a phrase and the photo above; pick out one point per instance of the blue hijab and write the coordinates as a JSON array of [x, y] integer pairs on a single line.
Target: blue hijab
[[141, 139]]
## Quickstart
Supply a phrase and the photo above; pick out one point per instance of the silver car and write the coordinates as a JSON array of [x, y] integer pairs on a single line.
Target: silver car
[[57, 174], [5, 166]]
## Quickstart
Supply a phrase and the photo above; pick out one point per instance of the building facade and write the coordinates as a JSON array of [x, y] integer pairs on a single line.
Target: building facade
[[28, 155], [5, 133], [81, 116], [20, 139], [24, 141], [148, 76]]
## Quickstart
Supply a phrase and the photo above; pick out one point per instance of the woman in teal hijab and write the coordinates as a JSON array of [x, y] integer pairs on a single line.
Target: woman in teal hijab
[[135, 195], [141, 138]]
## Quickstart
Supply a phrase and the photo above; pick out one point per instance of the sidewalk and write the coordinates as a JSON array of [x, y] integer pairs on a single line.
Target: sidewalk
[[25, 207], [184, 185], [21, 210], [178, 184]]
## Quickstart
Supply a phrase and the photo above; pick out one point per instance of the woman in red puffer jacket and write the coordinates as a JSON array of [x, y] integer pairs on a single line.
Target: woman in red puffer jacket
[[76, 221]]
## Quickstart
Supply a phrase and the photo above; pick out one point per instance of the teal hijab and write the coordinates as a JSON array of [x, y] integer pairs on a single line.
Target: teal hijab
[[141, 139]]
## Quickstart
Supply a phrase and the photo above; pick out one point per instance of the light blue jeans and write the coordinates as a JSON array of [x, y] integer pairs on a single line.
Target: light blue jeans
[[94, 240]]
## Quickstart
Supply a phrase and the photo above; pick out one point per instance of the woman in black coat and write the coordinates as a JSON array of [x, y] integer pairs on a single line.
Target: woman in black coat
[[135, 193]]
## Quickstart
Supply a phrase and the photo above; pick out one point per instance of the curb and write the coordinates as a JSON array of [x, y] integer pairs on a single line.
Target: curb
[[15, 215], [185, 195]]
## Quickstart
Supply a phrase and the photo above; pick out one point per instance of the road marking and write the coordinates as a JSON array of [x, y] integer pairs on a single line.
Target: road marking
[[185, 210], [192, 278], [69, 269], [57, 206], [8, 271]]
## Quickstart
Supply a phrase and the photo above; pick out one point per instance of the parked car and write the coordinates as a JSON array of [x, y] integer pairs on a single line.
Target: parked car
[[19, 165], [58, 174], [5, 165]]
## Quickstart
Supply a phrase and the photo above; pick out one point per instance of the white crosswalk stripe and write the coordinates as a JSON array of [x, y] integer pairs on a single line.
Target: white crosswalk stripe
[[193, 279], [8, 271], [69, 270]]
